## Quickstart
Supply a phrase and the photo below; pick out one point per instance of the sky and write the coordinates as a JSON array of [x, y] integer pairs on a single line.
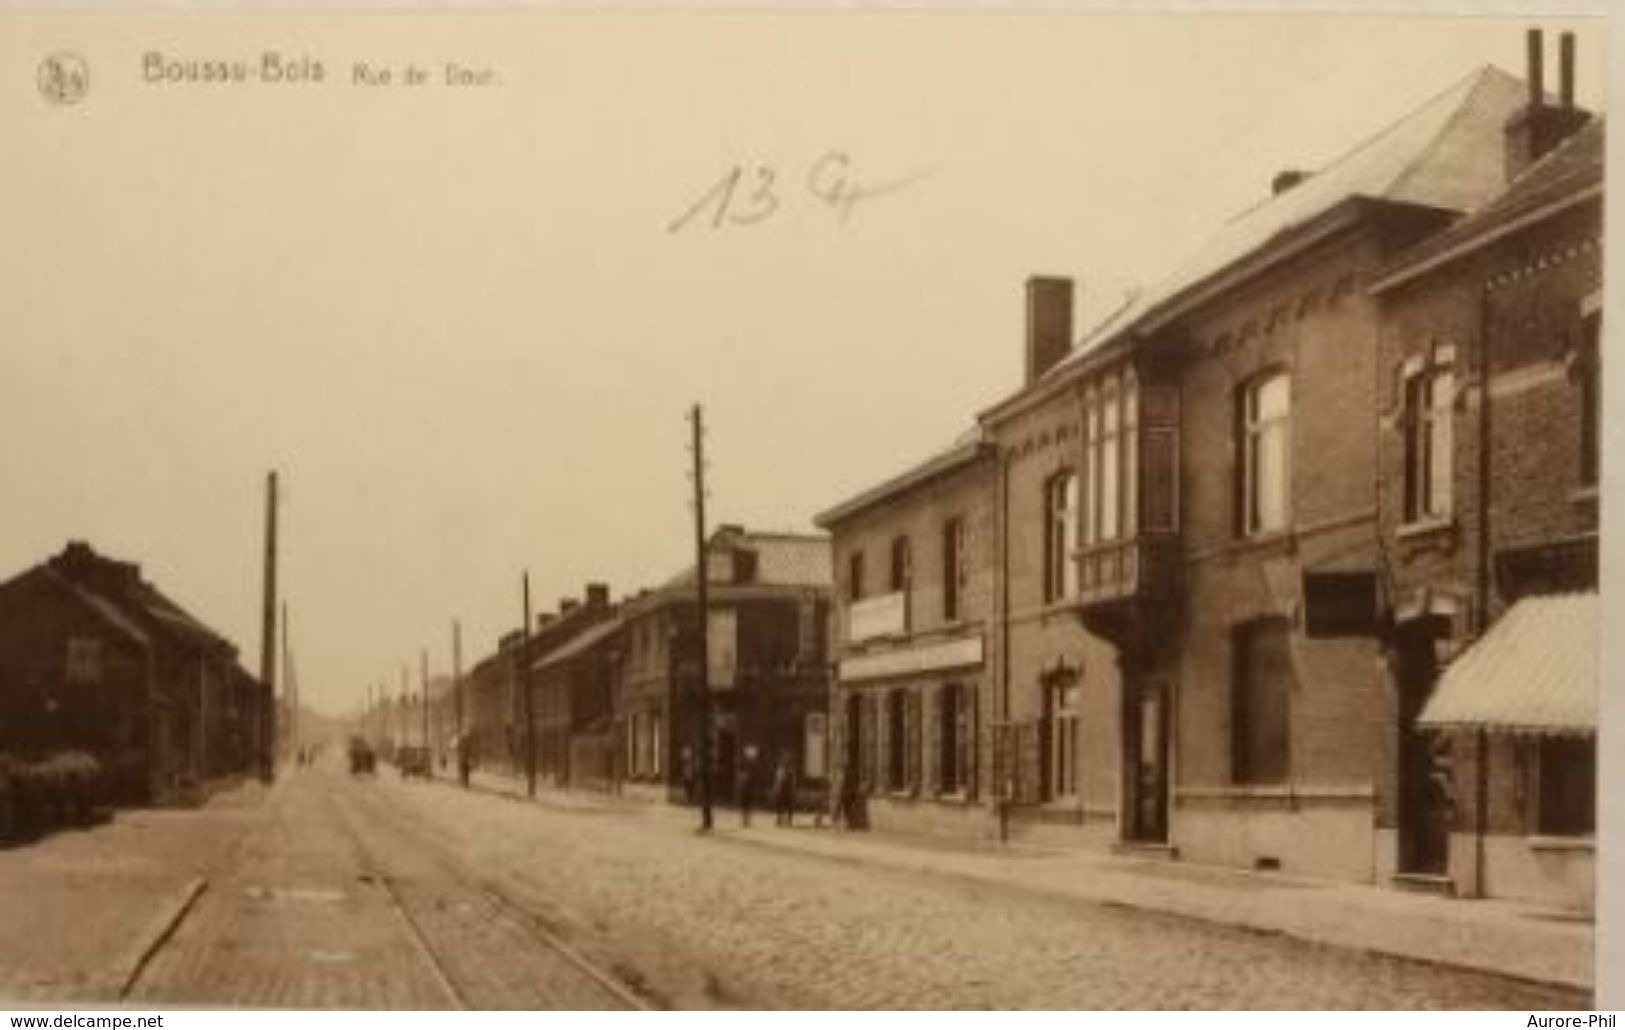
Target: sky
[[466, 322]]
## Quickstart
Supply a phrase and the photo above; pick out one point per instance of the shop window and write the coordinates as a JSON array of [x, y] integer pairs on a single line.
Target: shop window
[[955, 712], [1568, 786], [1261, 702], [897, 741]]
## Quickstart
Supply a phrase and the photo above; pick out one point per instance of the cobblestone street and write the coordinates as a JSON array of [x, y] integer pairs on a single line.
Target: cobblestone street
[[382, 893]]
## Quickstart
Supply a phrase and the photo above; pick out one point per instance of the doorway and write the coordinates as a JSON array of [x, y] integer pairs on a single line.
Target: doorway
[[1145, 763], [1424, 772]]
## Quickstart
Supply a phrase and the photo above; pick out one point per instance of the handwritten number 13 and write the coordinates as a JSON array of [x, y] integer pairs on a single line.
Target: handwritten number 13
[[732, 201]]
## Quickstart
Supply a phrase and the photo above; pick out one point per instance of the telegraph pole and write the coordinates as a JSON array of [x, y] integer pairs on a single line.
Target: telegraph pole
[[267, 720], [290, 694], [457, 692], [701, 577], [423, 684], [524, 685]]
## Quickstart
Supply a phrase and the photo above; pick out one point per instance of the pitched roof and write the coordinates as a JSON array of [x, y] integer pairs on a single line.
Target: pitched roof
[[1571, 172], [1534, 671], [965, 451], [578, 643], [1446, 154], [782, 559]]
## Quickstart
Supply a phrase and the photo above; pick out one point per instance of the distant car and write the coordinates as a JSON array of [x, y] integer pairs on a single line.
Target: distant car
[[412, 760], [361, 757]]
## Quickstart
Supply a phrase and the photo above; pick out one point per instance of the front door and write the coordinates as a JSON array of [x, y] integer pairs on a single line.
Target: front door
[[1424, 791], [1145, 764]]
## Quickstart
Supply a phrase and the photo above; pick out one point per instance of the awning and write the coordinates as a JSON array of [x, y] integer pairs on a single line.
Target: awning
[[1535, 671]]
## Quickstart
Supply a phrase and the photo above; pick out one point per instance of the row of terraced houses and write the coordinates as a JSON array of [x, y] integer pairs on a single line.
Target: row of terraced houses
[[1291, 565]]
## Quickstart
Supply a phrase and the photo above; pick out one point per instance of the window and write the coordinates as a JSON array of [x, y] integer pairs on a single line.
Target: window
[[902, 565], [1061, 702], [1060, 534], [1429, 437], [83, 660], [722, 643], [1110, 459], [854, 576], [1265, 421], [1261, 699], [1568, 786], [897, 741], [815, 746], [955, 738], [955, 573], [656, 743]]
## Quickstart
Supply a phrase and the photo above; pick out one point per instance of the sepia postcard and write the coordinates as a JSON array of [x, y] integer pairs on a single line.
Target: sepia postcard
[[652, 508]]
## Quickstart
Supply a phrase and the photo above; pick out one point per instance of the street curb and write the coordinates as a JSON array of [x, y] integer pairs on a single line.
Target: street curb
[[1317, 940], [158, 931]]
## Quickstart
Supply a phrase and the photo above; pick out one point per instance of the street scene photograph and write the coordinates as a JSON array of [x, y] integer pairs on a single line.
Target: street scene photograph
[[802, 510]]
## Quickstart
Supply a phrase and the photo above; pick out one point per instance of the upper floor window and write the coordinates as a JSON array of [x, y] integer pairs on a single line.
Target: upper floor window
[[902, 565], [1430, 437], [1110, 460], [955, 571], [84, 660], [1264, 419], [1060, 534], [854, 576]]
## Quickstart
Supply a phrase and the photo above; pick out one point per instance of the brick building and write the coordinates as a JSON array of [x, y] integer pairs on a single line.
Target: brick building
[[913, 616], [577, 744], [1489, 523], [94, 658], [768, 665], [493, 692]]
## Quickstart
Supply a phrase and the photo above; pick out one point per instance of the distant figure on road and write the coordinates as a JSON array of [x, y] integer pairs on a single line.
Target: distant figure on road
[[746, 785], [465, 760], [784, 792]]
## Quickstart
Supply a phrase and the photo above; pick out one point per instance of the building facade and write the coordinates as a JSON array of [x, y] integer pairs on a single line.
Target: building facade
[[1490, 529], [767, 667], [913, 616], [94, 658]]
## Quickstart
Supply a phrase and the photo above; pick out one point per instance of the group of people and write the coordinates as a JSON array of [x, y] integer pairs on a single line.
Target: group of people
[[781, 791]]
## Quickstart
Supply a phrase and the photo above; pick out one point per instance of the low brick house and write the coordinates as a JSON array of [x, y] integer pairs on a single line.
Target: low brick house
[[95, 658], [1490, 526], [574, 690], [914, 682]]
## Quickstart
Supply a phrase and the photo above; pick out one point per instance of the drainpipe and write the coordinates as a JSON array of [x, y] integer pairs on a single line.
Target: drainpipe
[[1485, 426], [1005, 798]]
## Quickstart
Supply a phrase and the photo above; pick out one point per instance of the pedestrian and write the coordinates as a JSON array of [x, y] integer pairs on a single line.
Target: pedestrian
[[745, 787], [465, 760], [784, 792]]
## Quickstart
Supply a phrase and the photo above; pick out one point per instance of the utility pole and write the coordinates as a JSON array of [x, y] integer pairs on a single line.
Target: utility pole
[[524, 685], [423, 684], [457, 692], [289, 691], [702, 750], [403, 718], [267, 720]]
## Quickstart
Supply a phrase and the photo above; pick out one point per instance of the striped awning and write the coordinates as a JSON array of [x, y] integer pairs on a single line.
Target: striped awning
[[1535, 671]]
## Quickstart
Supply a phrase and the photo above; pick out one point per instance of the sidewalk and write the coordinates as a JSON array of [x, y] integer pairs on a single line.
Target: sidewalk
[[1494, 937], [83, 906]]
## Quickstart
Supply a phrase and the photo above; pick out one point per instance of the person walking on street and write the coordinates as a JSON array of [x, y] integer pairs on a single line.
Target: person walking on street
[[784, 792]]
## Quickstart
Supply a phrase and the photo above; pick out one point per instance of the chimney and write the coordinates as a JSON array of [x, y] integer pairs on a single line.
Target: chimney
[[1285, 179], [597, 596], [730, 529], [544, 619], [1535, 130], [1049, 323], [567, 605]]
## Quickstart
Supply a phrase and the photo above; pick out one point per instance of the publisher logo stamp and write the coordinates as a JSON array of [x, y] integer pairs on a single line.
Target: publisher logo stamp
[[63, 78]]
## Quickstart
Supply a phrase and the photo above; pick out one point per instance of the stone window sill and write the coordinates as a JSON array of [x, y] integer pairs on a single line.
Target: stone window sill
[[1554, 843], [1427, 527]]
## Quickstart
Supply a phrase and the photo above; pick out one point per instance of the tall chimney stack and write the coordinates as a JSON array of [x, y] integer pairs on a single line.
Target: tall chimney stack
[[1049, 324], [1534, 131]]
